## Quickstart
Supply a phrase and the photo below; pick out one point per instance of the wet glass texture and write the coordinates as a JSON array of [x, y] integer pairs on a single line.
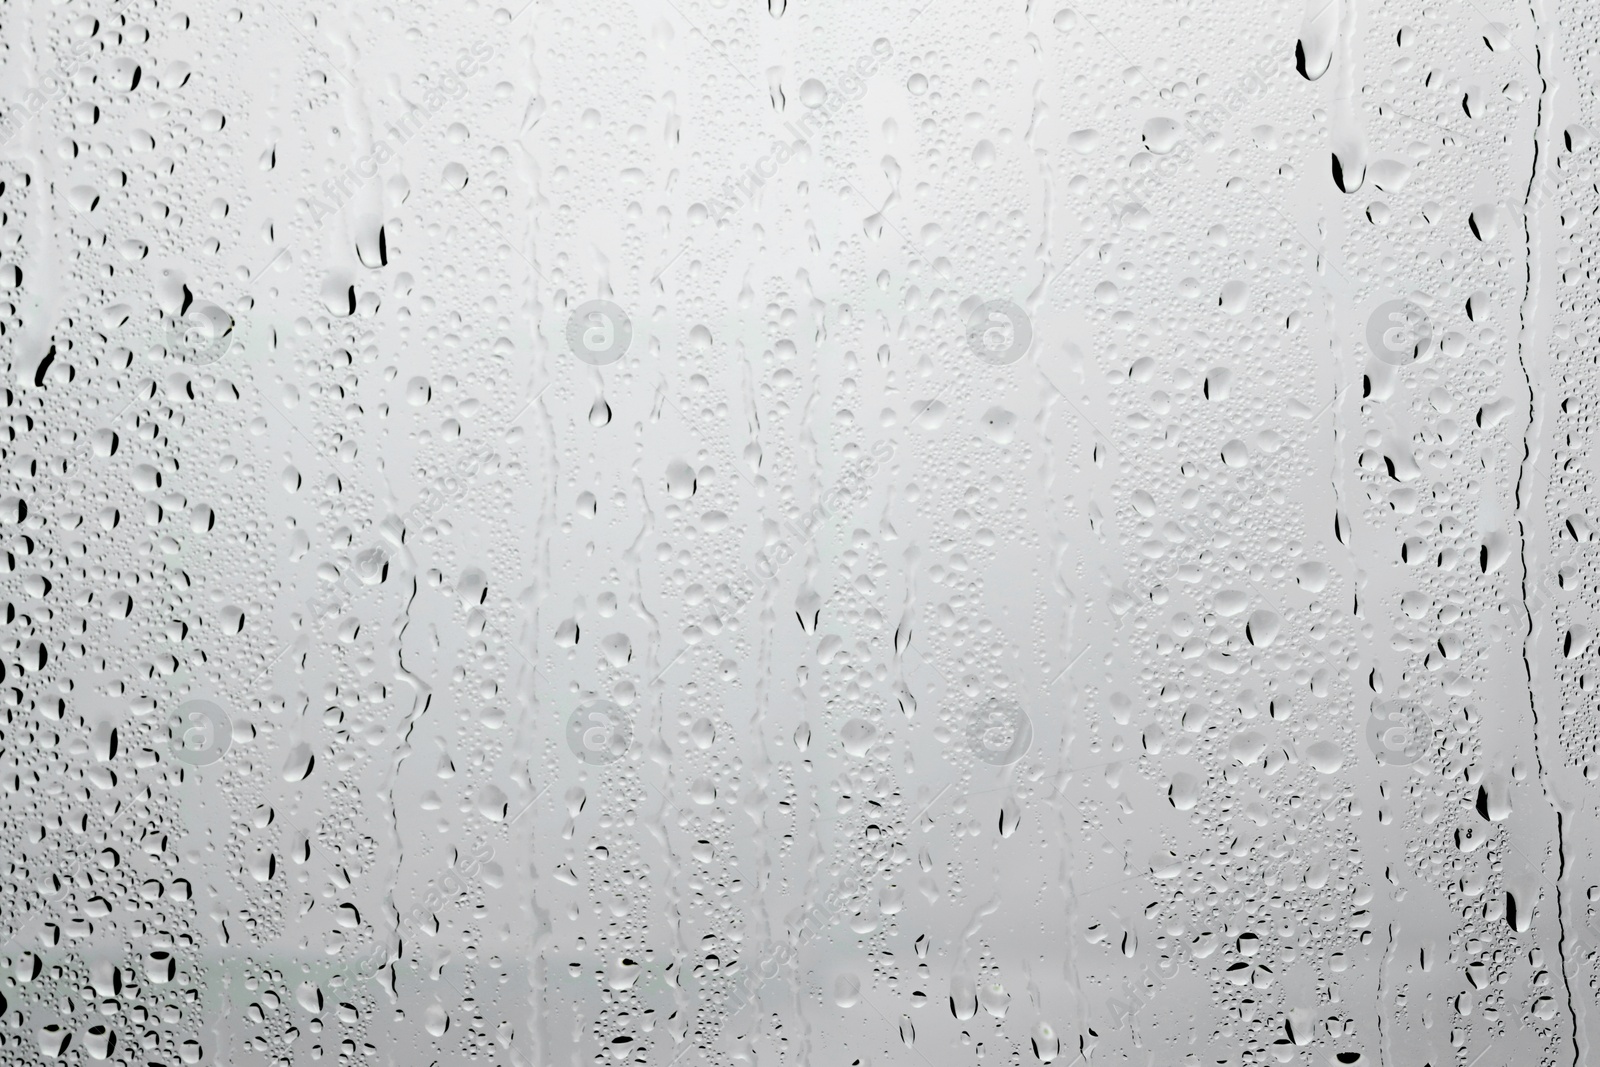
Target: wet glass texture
[[791, 533]]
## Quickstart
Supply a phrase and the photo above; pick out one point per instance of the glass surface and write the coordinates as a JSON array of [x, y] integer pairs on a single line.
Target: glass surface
[[799, 534]]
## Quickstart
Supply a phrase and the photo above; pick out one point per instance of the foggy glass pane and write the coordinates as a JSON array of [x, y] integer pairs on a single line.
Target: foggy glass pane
[[786, 533]]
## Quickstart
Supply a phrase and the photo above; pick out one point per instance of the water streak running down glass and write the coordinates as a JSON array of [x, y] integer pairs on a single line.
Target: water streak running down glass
[[799, 533]]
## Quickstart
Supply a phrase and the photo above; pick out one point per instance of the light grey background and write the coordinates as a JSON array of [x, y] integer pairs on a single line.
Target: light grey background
[[798, 533]]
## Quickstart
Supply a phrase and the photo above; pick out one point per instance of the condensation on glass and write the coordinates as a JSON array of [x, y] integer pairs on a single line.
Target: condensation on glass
[[791, 532]]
